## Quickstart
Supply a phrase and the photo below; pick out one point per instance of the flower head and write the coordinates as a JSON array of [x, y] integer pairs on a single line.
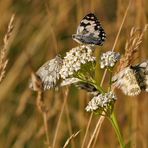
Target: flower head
[[109, 59], [101, 101], [74, 59]]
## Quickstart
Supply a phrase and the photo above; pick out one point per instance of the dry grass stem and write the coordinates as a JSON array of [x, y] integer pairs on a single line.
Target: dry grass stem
[[70, 138], [33, 36], [69, 124], [131, 47], [60, 117], [37, 86], [3, 54], [97, 128], [87, 130], [36, 83], [45, 119], [119, 31]]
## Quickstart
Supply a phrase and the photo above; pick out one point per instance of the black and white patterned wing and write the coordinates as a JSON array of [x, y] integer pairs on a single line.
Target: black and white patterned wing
[[90, 31], [127, 82], [141, 73], [49, 72]]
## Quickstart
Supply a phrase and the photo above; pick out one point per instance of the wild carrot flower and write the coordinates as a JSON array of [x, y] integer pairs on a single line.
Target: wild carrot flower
[[74, 59], [109, 59], [101, 101]]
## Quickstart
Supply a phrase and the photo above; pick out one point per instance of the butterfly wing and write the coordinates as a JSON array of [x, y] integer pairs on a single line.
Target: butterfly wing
[[127, 82], [90, 31], [80, 84], [49, 72], [141, 72]]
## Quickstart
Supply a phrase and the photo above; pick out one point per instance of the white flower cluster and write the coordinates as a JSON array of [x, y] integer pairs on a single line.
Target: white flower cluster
[[109, 59], [100, 101], [73, 60]]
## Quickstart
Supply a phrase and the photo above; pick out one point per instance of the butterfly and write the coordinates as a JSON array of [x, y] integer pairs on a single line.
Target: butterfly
[[90, 31], [81, 84], [132, 80], [49, 73]]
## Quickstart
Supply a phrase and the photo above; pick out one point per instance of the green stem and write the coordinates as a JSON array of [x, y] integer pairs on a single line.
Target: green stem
[[91, 81], [110, 79], [115, 125]]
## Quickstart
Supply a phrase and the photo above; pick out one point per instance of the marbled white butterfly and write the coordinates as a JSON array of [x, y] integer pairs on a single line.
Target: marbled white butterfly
[[133, 79], [49, 73], [90, 31], [81, 84]]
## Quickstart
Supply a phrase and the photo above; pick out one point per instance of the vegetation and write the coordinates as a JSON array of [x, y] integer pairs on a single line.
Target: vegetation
[[33, 32]]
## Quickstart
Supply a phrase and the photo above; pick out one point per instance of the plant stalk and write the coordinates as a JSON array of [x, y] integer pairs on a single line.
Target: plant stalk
[[115, 125]]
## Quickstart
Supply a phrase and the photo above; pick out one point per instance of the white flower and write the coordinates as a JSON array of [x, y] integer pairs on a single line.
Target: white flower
[[69, 81], [101, 101], [74, 59], [109, 59]]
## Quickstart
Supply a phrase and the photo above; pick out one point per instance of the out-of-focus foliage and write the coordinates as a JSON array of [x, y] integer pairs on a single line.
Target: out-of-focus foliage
[[42, 30]]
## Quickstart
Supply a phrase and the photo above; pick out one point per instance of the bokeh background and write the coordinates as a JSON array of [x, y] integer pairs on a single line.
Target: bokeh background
[[42, 29]]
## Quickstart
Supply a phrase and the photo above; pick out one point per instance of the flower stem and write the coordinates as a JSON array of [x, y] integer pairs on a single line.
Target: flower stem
[[115, 125]]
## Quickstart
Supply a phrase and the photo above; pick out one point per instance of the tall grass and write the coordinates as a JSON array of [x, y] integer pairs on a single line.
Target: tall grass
[[42, 29]]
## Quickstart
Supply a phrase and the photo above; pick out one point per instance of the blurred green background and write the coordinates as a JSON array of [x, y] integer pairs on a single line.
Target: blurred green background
[[43, 28]]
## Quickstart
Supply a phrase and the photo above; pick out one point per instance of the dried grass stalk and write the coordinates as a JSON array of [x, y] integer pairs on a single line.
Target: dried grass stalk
[[131, 47], [3, 54], [37, 86], [70, 138]]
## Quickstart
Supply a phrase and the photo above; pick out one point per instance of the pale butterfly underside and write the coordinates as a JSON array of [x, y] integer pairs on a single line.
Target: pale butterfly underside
[[133, 79], [90, 31], [80, 84], [87, 87], [49, 72]]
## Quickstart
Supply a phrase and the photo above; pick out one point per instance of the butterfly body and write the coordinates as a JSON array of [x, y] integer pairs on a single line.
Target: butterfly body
[[90, 31]]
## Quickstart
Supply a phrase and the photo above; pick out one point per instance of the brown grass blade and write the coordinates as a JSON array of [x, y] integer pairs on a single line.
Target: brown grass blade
[[60, 117], [131, 47], [70, 138], [3, 54]]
